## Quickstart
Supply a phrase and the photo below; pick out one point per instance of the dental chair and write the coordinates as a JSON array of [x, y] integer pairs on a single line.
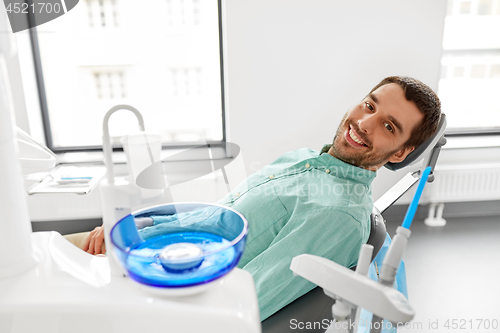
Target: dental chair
[[316, 306]]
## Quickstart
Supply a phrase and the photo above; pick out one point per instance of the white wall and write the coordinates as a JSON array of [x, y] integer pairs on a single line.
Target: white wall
[[295, 67]]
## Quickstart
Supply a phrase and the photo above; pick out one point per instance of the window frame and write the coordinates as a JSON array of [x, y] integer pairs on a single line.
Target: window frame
[[42, 96]]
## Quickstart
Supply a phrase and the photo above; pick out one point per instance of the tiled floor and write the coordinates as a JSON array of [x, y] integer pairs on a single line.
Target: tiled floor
[[453, 275]]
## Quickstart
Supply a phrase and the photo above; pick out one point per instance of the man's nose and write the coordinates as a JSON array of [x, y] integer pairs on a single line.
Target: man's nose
[[366, 123]]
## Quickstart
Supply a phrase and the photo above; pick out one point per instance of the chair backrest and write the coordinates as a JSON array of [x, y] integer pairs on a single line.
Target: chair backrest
[[377, 231], [421, 151]]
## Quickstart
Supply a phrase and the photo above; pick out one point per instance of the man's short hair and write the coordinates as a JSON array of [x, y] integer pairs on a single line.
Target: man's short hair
[[426, 101]]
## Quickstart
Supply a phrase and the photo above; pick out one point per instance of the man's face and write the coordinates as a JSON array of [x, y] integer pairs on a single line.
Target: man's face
[[375, 131]]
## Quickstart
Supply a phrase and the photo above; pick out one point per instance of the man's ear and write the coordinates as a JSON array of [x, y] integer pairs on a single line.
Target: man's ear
[[400, 155]]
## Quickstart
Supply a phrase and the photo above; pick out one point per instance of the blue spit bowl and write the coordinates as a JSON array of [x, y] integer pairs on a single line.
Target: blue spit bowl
[[189, 244]]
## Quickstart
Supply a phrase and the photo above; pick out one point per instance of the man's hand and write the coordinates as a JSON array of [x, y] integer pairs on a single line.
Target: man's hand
[[94, 244]]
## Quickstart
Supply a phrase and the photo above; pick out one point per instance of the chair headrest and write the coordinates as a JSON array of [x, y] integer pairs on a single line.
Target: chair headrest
[[421, 151]]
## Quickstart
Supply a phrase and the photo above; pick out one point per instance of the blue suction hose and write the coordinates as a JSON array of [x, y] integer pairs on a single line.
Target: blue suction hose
[[398, 245], [393, 256], [410, 213]]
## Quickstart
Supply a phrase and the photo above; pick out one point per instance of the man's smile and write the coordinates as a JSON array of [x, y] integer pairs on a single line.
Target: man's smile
[[353, 138]]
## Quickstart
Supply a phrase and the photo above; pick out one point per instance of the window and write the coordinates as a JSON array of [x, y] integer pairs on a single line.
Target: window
[[102, 13], [161, 56], [470, 75], [110, 84]]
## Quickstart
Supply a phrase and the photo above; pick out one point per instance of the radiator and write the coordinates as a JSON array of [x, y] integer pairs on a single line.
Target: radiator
[[460, 183], [455, 183]]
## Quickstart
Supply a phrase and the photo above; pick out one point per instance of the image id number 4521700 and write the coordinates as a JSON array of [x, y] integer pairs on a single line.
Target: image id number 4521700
[[471, 324], [34, 7]]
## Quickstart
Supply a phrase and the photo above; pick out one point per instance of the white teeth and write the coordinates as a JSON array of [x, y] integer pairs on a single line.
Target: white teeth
[[354, 137]]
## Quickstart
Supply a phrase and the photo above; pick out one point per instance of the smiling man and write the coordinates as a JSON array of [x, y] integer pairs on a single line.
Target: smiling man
[[320, 202], [396, 116]]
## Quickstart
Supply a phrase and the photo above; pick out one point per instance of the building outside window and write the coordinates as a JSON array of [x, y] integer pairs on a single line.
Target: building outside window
[[470, 76], [160, 56]]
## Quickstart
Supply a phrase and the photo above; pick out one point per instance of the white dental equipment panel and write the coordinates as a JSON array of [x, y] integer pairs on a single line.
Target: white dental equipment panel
[[72, 291]]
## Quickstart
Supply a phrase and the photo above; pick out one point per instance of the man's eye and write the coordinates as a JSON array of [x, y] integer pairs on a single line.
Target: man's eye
[[368, 105], [389, 127]]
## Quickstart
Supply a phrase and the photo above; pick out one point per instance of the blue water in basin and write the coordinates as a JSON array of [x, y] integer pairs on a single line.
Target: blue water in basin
[[144, 265]]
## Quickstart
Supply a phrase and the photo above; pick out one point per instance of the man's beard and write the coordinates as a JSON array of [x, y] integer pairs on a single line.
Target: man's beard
[[365, 158]]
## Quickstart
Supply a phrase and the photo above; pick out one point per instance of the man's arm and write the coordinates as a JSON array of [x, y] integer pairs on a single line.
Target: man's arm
[[94, 242], [328, 233]]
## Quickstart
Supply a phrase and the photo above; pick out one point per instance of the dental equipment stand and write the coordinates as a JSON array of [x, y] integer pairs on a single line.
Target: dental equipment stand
[[47, 285]]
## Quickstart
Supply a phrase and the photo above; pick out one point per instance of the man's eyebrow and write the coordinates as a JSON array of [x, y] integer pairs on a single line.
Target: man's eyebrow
[[397, 124], [373, 97]]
